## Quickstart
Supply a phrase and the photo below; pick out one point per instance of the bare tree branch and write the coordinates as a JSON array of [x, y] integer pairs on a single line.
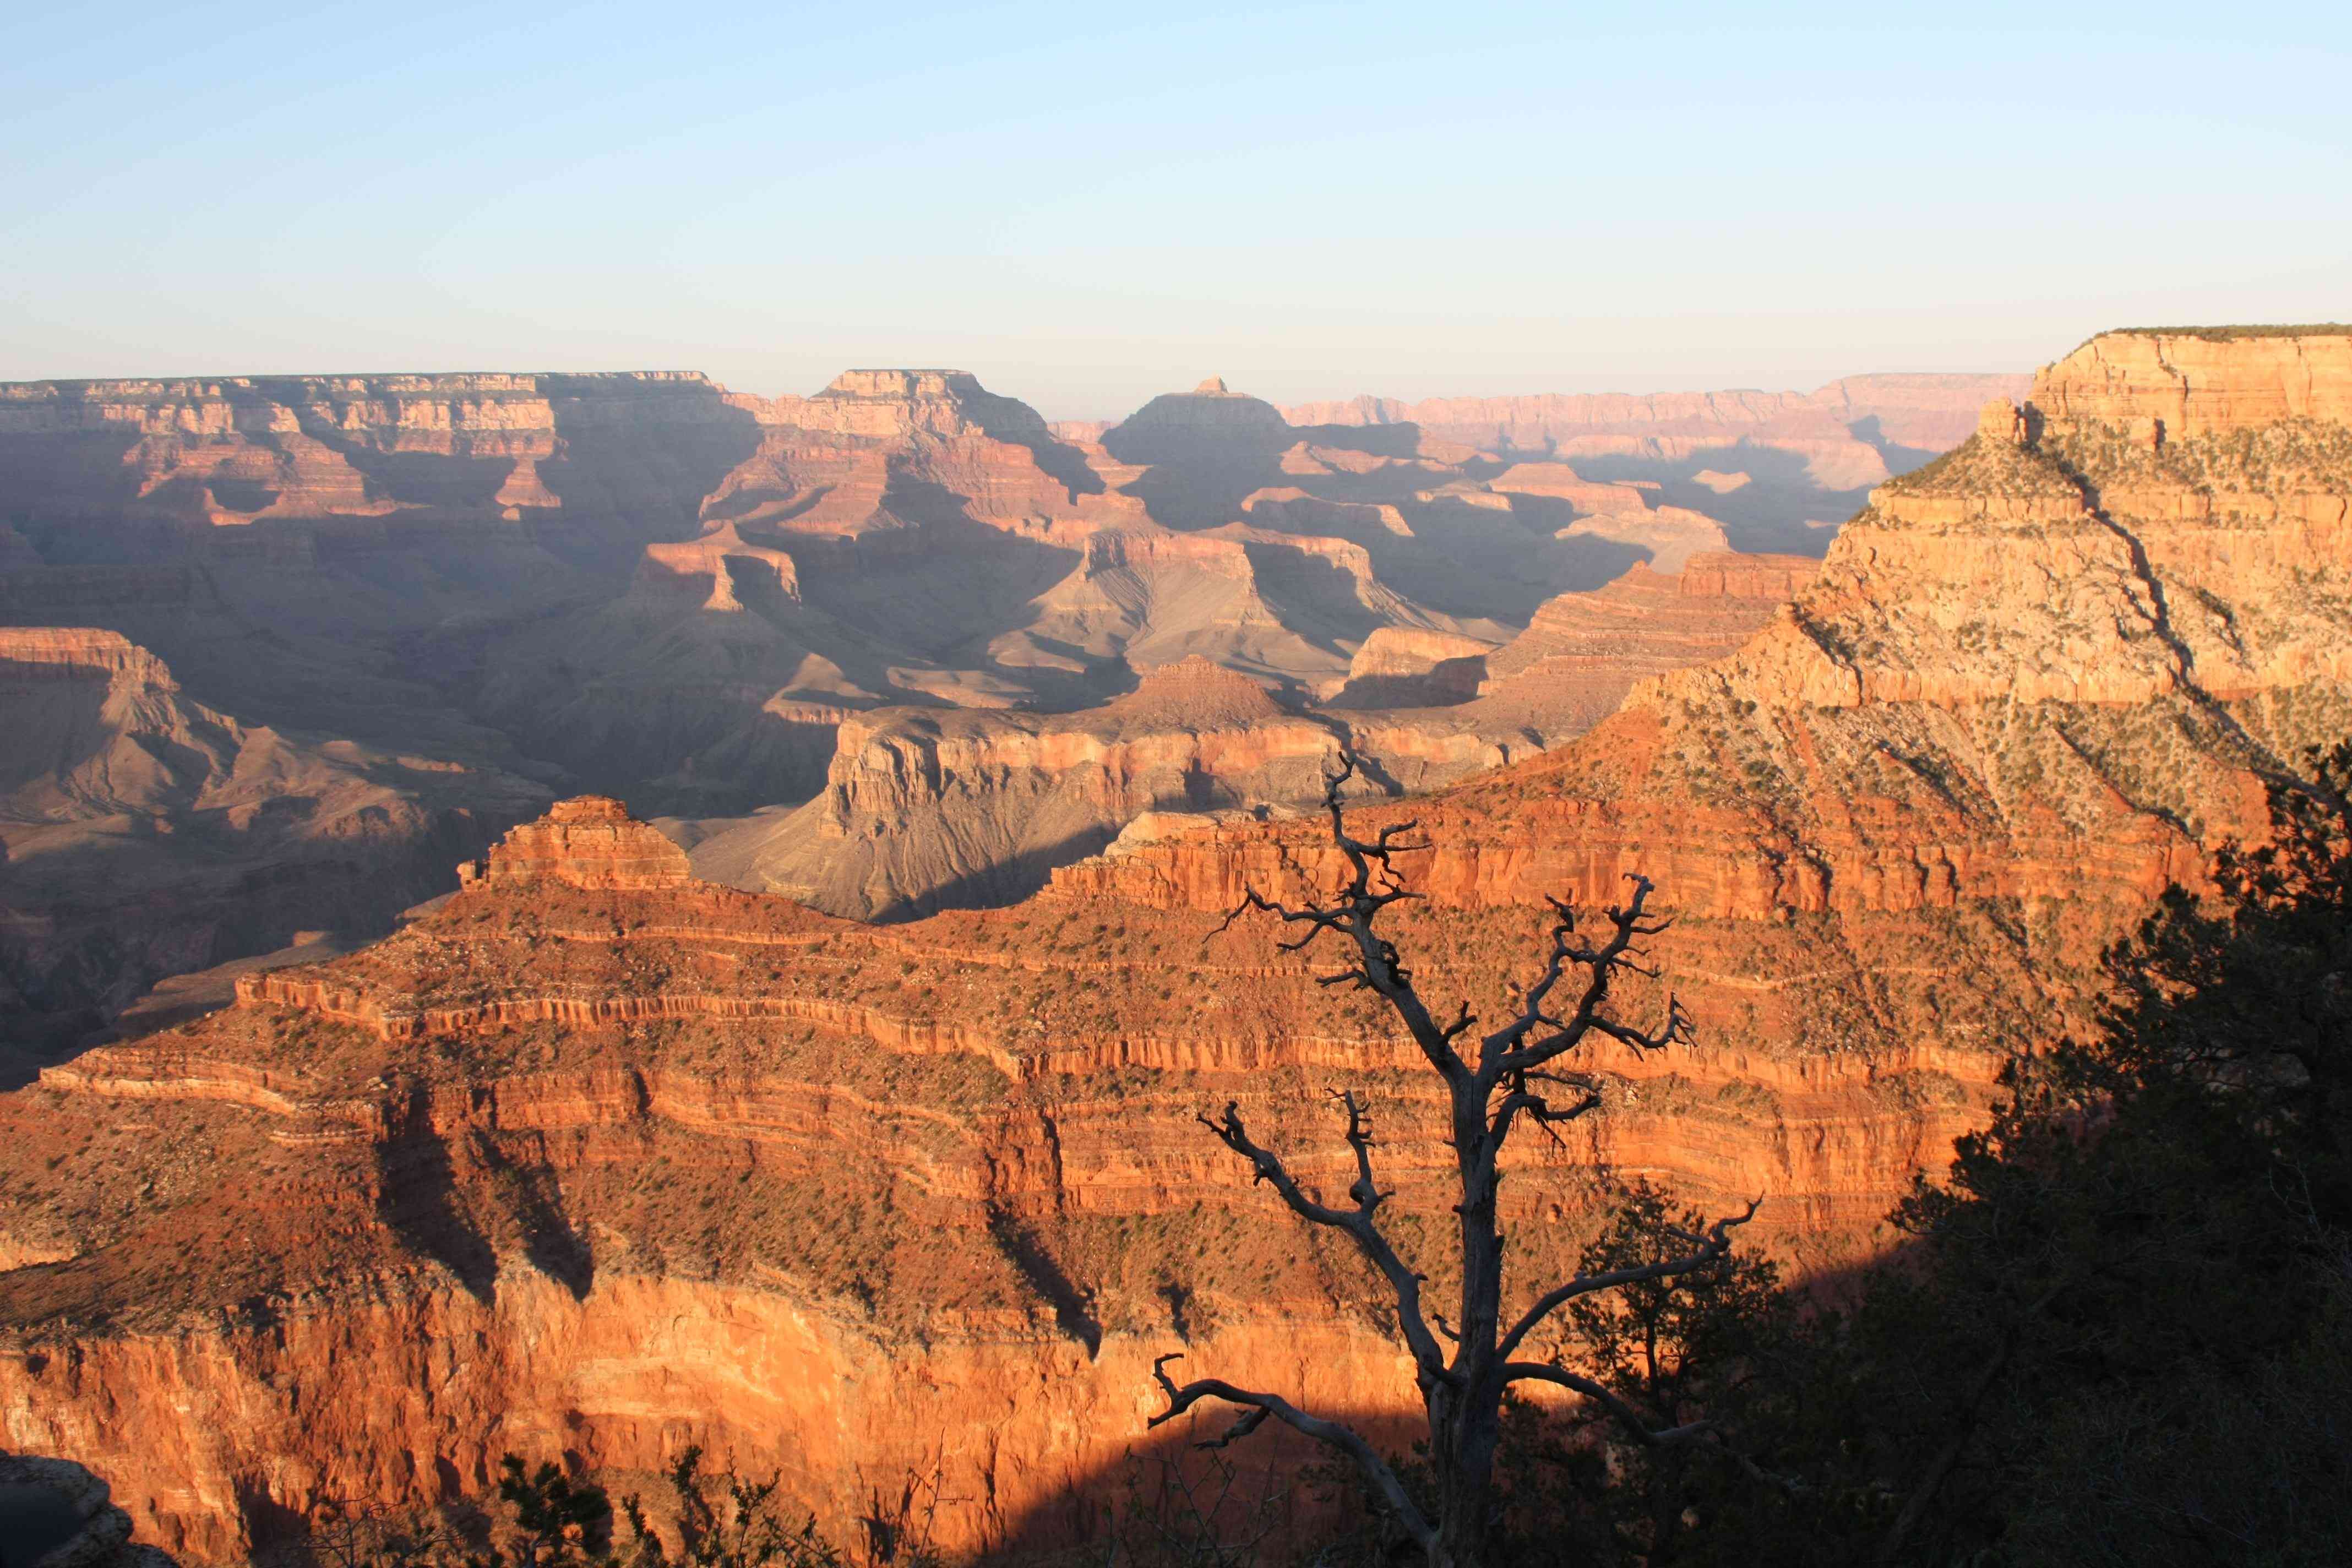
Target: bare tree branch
[[1715, 1246], [1372, 886], [1507, 1051], [1537, 1106], [1329, 1433], [1513, 1081], [1251, 1419], [1358, 1222], [1631, 1419]]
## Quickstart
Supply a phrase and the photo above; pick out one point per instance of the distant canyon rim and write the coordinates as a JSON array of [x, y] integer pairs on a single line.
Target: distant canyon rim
[[587, 914]]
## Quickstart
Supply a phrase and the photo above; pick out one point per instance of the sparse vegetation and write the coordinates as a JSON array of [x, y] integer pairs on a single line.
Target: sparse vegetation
[[550, 1517], [2224, 334]]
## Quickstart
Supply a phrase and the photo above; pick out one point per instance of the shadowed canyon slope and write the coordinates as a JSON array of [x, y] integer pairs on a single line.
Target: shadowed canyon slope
[[146, 835], [500, 588], [925, 808], [598, 1156]]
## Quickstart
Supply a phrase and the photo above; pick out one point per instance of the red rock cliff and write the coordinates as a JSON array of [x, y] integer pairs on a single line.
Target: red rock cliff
[[589, 841]]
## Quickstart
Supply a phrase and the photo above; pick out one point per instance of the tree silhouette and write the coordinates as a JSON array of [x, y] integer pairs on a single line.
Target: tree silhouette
[[1513, 1074]]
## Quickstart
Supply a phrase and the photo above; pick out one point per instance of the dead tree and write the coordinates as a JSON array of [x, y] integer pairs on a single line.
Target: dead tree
[[1511, 1076]]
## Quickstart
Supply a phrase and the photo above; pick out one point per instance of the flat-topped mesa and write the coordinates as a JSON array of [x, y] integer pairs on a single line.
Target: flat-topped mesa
[[902, 385], [881, 451], [627, 450], [1414, 650], [1209, 420], [1194, 693], [2199, 380], [80, 652], [1406, 666], [1559, 481], [894, 404], [589, 841], [475, 400]]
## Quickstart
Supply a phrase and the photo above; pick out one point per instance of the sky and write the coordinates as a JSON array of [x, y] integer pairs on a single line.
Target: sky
[[1087, 204]]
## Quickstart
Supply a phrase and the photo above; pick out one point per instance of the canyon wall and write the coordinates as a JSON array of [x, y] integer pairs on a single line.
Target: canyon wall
[[241, 449], [603, 1164], [566, 1166]]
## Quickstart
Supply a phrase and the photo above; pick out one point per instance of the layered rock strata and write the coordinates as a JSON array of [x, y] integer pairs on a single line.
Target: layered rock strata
[[595, 1162], [2051, 670], [568, 1168], [588, 842], [927, 809], [241, 449], [1584, 652], [1408, 668]]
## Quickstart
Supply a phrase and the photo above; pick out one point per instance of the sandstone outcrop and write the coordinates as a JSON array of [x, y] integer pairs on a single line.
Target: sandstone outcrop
[[1399, 667], [2201, 383], [2050, 669], [1584, 652], [591, 841], [932, 808]]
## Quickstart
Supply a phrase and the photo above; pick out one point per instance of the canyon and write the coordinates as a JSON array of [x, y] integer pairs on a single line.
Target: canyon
[[462, 596], [925, 807], [596, 1154], [147, 836]]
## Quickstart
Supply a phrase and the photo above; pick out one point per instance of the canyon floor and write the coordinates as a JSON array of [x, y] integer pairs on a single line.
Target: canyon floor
[[598, 1154]]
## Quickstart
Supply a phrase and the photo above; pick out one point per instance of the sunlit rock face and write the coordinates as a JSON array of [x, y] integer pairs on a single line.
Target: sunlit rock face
[[587, 842]]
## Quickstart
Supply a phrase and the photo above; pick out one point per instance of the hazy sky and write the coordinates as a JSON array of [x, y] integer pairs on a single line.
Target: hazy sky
[[1089, 203]]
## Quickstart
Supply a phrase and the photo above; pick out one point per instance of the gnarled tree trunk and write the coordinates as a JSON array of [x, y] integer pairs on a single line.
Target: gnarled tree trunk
[[1514, 1074]]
